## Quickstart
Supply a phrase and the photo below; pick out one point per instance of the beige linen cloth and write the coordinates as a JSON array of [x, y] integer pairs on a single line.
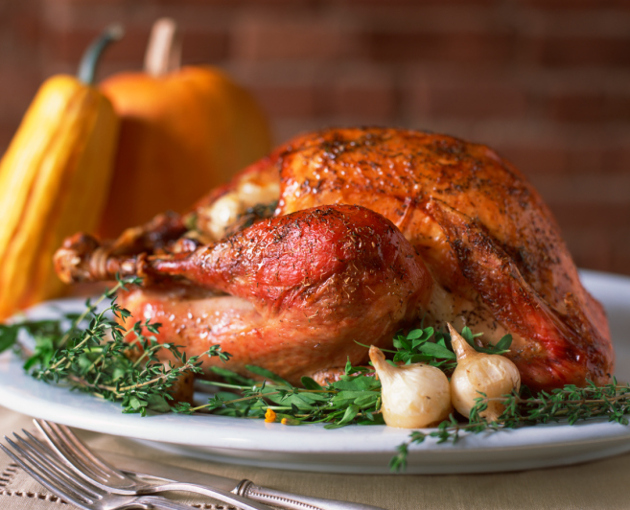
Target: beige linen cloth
[[595, 485]]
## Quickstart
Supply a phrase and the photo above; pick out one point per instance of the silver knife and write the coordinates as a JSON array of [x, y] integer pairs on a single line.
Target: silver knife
[[154, 470]]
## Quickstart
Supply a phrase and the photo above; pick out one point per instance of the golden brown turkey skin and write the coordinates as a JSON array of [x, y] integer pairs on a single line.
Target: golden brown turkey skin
[[404, 175], [301, 289], [550, 349], [492, 248]]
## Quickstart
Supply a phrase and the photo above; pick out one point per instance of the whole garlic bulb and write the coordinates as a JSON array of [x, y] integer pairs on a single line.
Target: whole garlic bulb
[[414, 396], [477, 372]]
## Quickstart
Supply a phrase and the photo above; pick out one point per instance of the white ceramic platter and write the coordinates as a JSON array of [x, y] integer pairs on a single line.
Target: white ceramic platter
[[354, 449]]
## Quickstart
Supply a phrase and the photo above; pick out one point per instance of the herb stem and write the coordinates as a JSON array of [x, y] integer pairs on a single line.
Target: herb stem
[[146, 353], [89, 309]]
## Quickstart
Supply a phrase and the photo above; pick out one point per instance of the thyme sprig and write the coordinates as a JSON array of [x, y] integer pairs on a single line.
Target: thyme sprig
[[354, 399], [568, 404], [97, 354]]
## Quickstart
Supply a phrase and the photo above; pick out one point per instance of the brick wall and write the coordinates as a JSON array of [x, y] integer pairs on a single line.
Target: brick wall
[[545, 82]]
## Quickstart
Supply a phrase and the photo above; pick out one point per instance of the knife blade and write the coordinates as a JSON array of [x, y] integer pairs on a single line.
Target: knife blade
[[152, 470]]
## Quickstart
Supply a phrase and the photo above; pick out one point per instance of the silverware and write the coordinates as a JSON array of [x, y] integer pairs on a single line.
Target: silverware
[[133, 478], [152, 471], [41, 463], [77, 457]]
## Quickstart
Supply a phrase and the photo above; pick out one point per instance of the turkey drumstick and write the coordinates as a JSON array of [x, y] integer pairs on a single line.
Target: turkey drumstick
[[302, 288], [493, 253]]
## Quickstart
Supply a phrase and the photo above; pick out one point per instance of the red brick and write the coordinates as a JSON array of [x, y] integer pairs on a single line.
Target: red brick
[[18, 87], [197, 47], [576, 157], [591, 248], [602, 216], [596, 105], [239, 4], [74, 4], [618, 106], [26, 25], [204, 47], [477, 100], [285, 128], [587, 160], [50, 68], [577, 4], [601, 248], [464, 129], [6, 134], [534, 159], [293, 37], [461, 93], [93, 15], [69, 46], [288, 100], [284, 88], [458, 47], [572, 107], [363, 92], [616, 158], [620, 259], [20, 31], [584, 187], [578, 50], [414, 3]]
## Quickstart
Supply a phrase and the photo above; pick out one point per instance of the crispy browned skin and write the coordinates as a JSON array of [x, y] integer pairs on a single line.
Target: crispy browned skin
[[402, 175], [301, 289], [491, 245]]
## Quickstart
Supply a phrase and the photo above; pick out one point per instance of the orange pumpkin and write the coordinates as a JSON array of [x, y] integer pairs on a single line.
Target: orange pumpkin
[[183, 131]]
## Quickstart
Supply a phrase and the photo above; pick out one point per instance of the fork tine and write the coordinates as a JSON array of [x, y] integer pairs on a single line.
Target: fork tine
[[56, 488], [48, 457], [66, 452], [73, 451], [42, 463], [64, 442], [47, 463], [89, 456]]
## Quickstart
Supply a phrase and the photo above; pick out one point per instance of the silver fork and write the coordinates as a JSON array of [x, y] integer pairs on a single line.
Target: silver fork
[[41, 463], [77, 457]]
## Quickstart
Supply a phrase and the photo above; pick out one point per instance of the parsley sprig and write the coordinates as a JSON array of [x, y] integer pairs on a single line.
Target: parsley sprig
[[426, 345]]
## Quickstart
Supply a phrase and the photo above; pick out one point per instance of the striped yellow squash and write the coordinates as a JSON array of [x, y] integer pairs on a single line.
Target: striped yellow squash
[[54, 179]]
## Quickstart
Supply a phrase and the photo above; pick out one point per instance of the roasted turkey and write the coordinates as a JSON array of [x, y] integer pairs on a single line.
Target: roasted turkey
[[350, 235]]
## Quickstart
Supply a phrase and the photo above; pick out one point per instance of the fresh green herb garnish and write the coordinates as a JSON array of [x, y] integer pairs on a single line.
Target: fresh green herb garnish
[[433, 347], [354, 399], [94, 355], [570, 404], [90, 352], [502, 346], [425, 345]]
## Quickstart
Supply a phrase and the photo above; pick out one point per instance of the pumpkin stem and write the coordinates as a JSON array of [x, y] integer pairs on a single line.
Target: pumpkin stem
[[164, 50], [87, 67]]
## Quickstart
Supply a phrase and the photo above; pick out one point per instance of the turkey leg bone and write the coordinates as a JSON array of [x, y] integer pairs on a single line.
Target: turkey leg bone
[[301, 289]]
